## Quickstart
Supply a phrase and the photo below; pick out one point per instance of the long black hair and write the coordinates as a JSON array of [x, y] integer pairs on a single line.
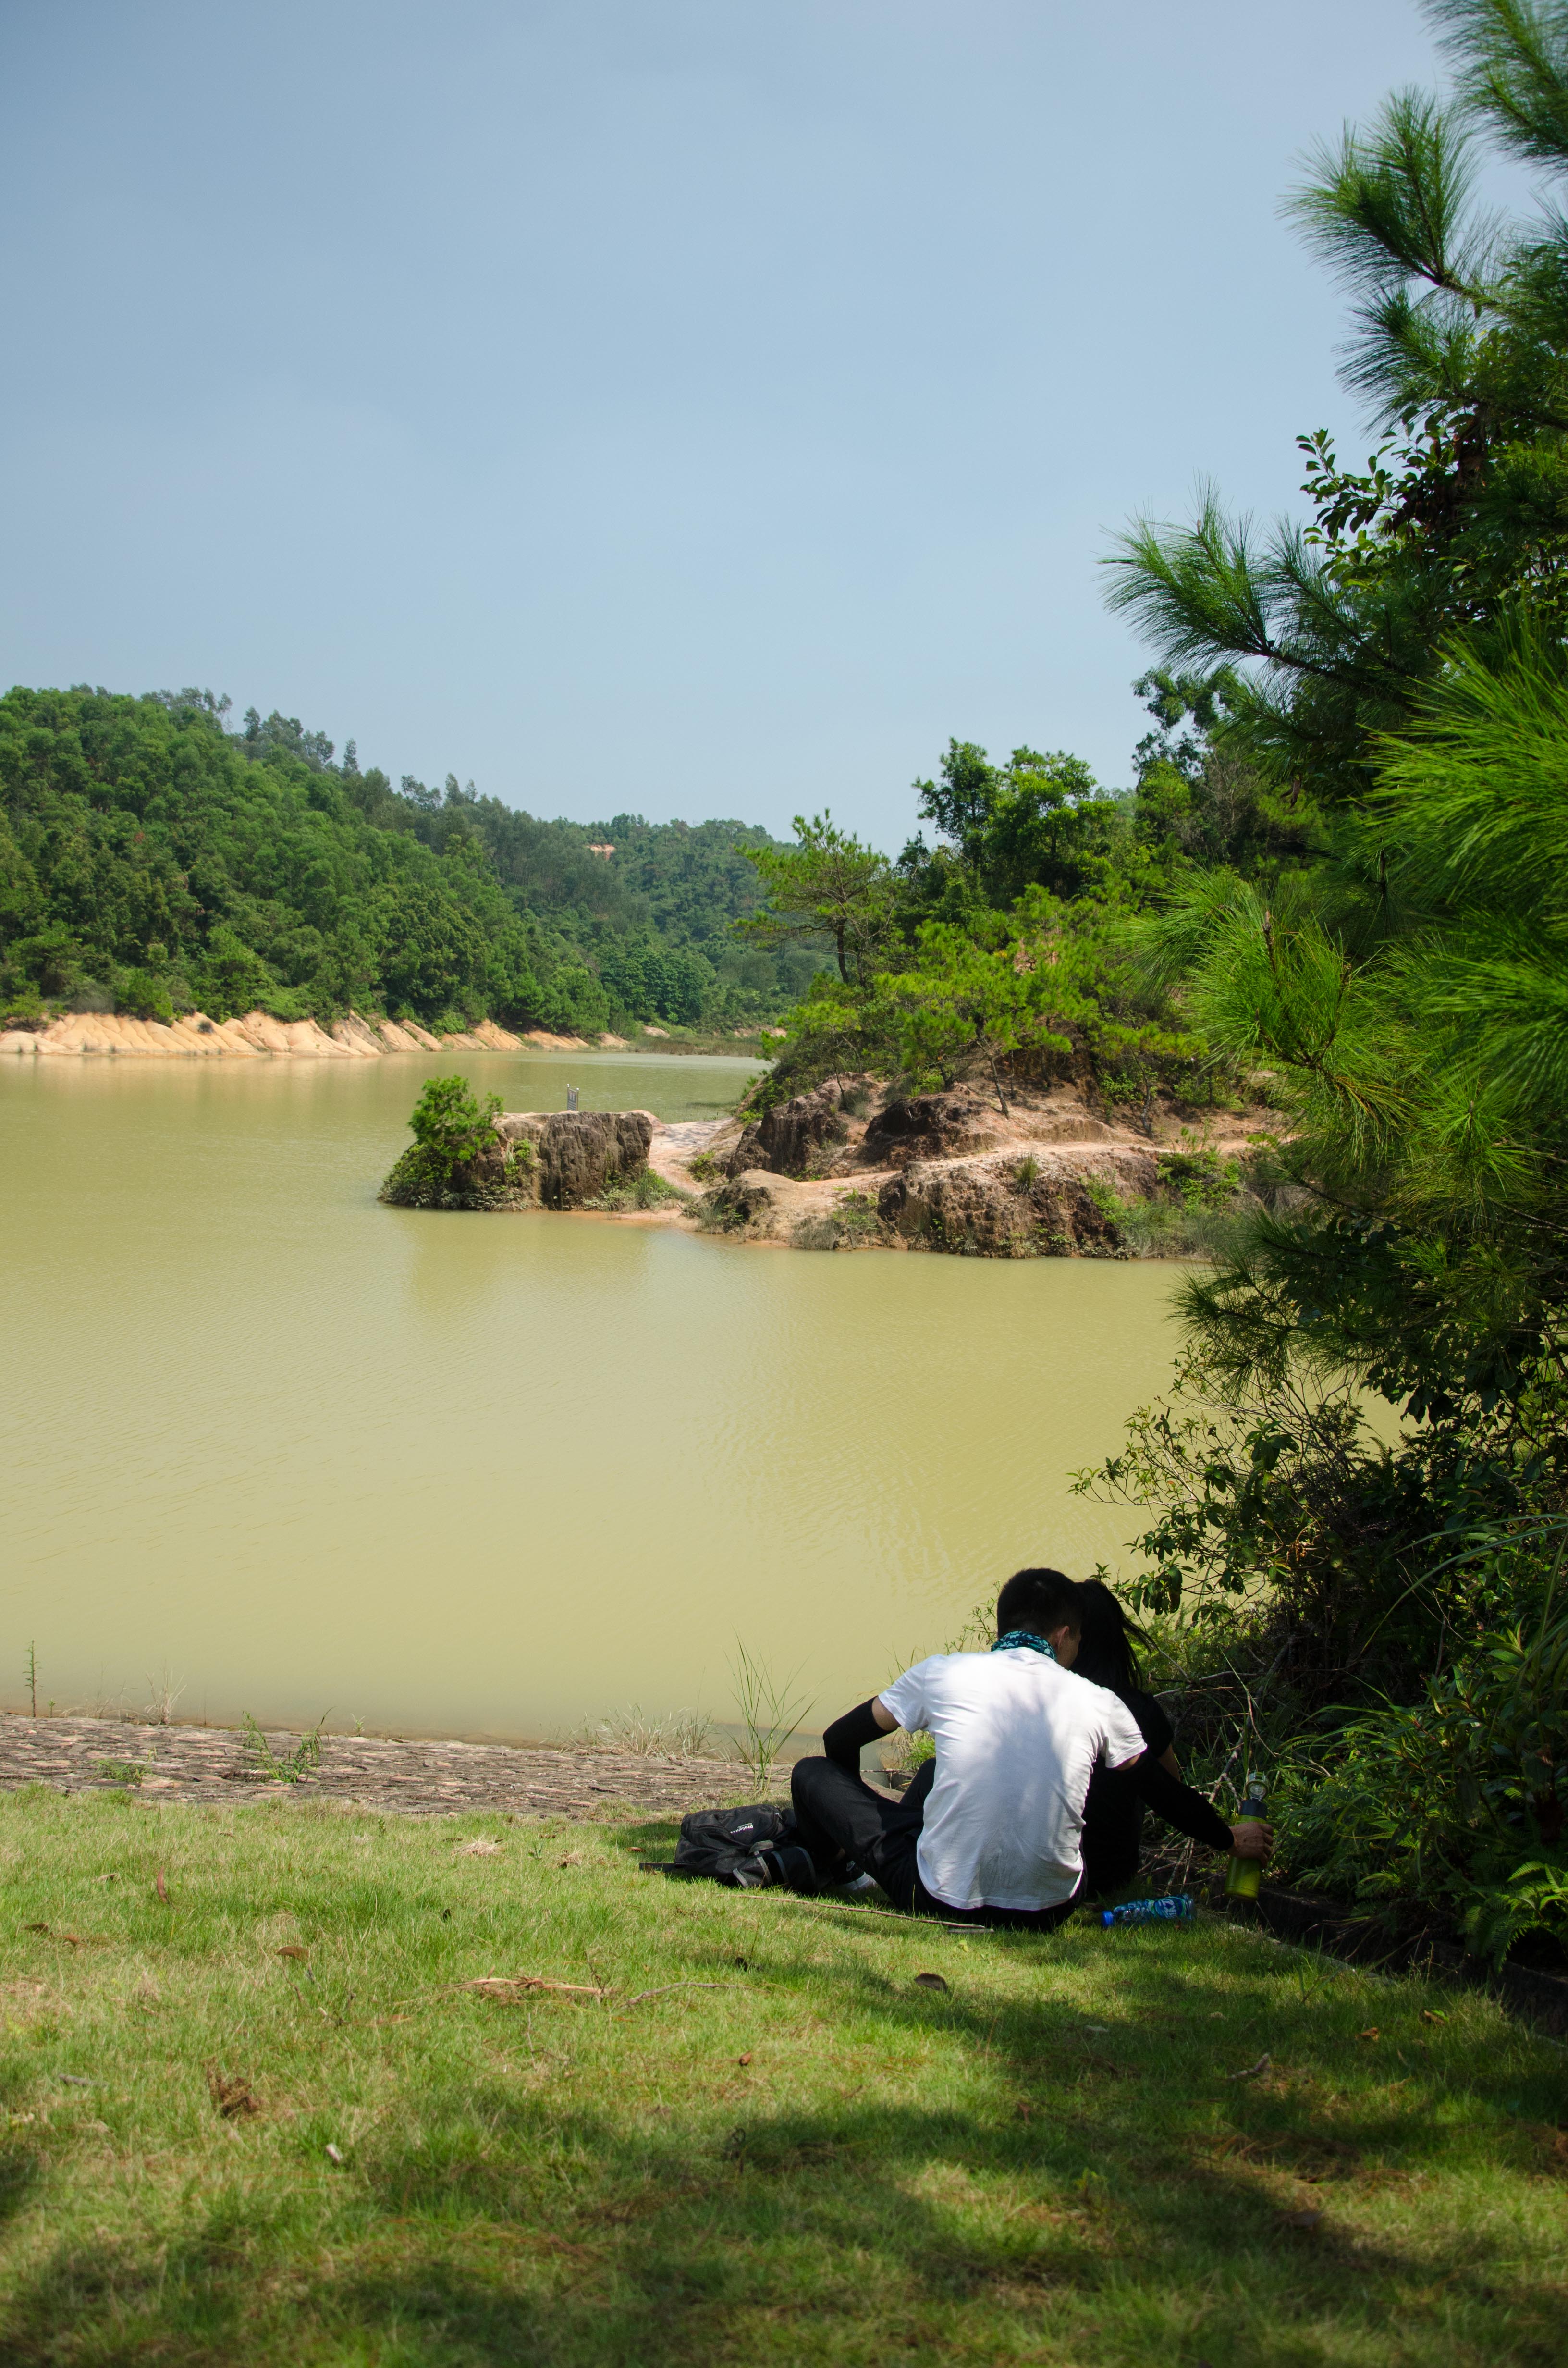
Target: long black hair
[[1106, 1653]]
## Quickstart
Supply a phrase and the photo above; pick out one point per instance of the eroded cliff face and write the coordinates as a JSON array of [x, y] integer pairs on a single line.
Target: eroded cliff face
[[999, 1206], [786, 1141], [256, 1036], [575, 1154]]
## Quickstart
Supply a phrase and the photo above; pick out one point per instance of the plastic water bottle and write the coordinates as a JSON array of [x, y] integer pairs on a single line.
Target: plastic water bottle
[[1244, 1874], [1174, 1908]]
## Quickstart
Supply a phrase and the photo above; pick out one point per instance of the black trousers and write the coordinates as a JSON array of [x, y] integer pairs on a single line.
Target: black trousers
[[838, 1813]]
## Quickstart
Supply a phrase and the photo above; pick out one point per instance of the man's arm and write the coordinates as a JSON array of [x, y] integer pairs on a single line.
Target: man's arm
[[845, 1741]]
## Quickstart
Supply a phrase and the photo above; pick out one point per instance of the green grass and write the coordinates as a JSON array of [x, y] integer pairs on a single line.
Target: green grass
[[646, 1189], [818, 2161]]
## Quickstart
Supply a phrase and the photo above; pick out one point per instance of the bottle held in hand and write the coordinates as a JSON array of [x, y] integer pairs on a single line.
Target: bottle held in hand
[[1244, 1874]]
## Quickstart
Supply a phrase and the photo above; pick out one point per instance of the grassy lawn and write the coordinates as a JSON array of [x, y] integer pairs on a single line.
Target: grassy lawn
[[819, 2160]]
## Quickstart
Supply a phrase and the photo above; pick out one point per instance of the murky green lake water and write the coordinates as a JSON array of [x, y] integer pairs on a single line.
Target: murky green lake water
[[462, 1475]]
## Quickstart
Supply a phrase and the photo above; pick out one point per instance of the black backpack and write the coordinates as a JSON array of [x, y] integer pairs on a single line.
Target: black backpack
[[747, 1849]]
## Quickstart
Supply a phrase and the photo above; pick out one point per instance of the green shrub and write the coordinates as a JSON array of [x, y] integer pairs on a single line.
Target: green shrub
[[852, 1223], [1452, 1800], [451, 1128], [449, 1120], [145, 997], [643, 1190]]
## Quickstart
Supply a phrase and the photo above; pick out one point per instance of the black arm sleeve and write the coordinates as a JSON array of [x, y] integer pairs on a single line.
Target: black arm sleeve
[[847, 1738], [1180, 1805]]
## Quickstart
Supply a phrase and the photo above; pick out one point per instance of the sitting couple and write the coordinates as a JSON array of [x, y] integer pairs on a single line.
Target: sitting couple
[[1046, 1754]]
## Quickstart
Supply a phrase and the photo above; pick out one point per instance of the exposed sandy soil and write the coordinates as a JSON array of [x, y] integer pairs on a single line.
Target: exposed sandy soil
[[259, 1037]]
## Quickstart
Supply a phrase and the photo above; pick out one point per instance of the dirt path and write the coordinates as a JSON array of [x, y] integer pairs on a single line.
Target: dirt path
[[212, 1764]]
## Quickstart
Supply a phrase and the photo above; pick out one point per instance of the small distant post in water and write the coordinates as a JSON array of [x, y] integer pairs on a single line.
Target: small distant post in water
[[570, 1097]]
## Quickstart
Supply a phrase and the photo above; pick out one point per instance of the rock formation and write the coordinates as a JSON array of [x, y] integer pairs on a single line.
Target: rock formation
[[1001, 1206], [784, 1138], [575, 1153]]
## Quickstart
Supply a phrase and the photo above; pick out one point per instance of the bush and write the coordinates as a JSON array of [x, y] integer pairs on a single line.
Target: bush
[[145, 997], [451, 1122], [852, 1223], [452, 1128], [1452, 1800], [643, 1190]]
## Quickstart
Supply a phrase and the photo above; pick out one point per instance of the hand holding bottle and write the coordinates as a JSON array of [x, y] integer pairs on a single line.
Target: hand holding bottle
[[1252, 1838]]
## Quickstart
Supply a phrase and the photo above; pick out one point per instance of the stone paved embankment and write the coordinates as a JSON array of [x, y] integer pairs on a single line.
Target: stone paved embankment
[[214, 1764]]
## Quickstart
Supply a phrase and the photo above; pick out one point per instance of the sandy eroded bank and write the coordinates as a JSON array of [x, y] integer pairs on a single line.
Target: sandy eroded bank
[[258, 1036]]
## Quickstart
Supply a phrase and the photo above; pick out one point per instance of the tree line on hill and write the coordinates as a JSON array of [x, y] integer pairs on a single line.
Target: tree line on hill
[[153, 860]]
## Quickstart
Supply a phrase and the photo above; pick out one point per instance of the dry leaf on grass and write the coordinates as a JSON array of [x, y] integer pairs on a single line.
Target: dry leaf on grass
[[929, 1982], [572, 1858], [231, 2092], [1427, 2016], [292, 1949], [481, 1849], [746, 2058], [1371, 2031], [160, 1886]]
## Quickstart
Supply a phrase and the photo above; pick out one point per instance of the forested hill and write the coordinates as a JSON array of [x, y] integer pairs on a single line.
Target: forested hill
[[153, 860]]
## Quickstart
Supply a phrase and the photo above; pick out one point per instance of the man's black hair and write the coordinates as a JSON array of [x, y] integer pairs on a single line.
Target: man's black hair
[[1039, 1600]]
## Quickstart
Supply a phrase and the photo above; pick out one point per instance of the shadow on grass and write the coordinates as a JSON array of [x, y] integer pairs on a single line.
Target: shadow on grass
[[835, 2237], [1079, 2192]]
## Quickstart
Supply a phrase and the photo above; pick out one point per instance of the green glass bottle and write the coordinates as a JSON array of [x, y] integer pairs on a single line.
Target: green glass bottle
[[1244, 1874]]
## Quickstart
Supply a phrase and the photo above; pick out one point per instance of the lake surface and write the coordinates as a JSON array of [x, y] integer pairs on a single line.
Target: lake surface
[[467, 1474]]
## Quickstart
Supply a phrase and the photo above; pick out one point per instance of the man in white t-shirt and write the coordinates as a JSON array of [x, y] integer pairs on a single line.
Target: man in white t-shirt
[[996, 1836]]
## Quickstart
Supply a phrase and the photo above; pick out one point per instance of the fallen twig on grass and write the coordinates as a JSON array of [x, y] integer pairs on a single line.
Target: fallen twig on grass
[[663, 1987], [507, 1984]]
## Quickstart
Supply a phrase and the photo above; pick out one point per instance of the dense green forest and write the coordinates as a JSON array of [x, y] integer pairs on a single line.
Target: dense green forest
[[151, 860]]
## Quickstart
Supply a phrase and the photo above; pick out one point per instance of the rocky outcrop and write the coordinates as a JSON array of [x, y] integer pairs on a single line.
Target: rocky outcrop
[[761, 1207], [572, 1155], [930, 1126], [785, 1139], [996, 1207], [959, 1123]]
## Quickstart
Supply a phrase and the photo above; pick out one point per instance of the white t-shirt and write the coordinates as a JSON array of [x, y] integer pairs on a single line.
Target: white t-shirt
[[1017, 1740]]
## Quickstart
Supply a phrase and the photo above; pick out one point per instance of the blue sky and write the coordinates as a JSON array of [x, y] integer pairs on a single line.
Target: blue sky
[[661, 404]]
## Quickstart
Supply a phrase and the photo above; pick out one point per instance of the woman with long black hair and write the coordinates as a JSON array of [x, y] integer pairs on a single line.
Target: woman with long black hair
[[1113, 1813]]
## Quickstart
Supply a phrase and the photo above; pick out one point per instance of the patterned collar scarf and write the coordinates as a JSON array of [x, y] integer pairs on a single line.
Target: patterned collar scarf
[[1016, 1637]]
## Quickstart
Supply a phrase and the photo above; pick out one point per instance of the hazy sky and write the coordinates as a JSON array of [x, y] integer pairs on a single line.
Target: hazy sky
[[697, 408]]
